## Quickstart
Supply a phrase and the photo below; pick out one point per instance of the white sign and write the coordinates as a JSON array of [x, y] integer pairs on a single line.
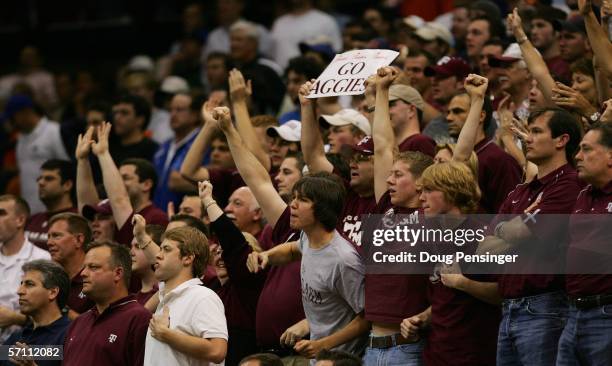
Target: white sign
[[348, 71]]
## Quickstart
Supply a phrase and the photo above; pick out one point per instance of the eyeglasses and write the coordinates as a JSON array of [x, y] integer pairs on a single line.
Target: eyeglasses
[[360, 158]]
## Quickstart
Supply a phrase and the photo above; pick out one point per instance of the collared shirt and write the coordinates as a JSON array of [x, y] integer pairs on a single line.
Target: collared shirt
[[50, 335], [44, 142], [10, 277], [114, 337], [77, 300], [557, 192], [589, 249], [195, 310]]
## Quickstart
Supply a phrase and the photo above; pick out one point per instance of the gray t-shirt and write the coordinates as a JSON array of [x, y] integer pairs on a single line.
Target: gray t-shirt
[[332, 288]]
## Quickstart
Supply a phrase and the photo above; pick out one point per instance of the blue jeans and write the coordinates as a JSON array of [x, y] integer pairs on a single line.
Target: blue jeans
[[530, 329], [402, 355], [587, 337]]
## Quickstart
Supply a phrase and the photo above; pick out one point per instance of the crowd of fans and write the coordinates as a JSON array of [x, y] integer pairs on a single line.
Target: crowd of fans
[[211, 213]]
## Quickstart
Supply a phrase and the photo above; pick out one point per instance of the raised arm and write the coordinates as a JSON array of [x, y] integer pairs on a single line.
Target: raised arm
[[192, 168], [113, 183], [85, 186], [240, 93], [277, 256], [476, 87], [252, 172], [598, 37], [535, 63], [312, 141], [382, 132], [144, 240]]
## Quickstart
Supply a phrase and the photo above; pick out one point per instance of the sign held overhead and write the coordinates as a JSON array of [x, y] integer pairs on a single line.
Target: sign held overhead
[[348, 71]]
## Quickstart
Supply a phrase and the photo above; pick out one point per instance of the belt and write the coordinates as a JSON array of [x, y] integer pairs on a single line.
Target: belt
[[389, 341], [280, 352], [587, 302]]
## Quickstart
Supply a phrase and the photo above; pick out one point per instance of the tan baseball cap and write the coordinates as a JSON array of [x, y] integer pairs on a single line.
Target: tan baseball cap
[[406, 93]]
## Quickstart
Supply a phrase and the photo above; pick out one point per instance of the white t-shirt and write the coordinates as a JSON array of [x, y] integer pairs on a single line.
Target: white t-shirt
[[10, 277], [33, 149], [159, 125], [289, 30], [195, 310]]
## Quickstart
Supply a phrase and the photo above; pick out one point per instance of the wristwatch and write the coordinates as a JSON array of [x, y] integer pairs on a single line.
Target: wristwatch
[[595, 117], [370, 109]]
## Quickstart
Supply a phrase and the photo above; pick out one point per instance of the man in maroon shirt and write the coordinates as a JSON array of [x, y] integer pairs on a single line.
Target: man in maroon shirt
[[544, 37], [55, 190], [133, 196], [587, 337], [69, 234], [113, 331], [534, 307], [498, 172]]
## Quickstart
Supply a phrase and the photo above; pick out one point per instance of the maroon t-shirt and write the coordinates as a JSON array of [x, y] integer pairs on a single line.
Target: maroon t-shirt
[[143, 297], [587, 235], [558, 190], [77, 300], [225, 182], [390, 298], [37, 227], [264, 237], [115, 337], [151, 214], [463, 329], [419, 142], [498, 174], [280, 302]]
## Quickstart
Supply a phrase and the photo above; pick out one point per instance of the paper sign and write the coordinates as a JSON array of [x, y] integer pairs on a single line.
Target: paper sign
[[348, 71]]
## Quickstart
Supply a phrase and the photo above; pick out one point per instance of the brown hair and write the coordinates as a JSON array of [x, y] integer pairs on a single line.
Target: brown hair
[[191, 242], [472, 162], [264, 120], [417, 161], [77, 224], [456, 181]]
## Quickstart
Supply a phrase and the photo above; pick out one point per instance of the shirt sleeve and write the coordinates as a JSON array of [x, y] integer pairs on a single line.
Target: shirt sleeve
[[350, 282], [209, 321], [139, 329]]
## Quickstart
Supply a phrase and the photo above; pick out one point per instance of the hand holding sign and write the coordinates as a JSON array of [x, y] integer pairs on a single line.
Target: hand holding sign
[[385, 77], [348, 71], [303, 93]]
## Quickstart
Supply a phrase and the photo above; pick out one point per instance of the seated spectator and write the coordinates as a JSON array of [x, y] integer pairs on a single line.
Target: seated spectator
[[16, 250], [56, 187], [113, 331], [69, 236], [131, 115], [42, 295], [198, 331], [39, 139]]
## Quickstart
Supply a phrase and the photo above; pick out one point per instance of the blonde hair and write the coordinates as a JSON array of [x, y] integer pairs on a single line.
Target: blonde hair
[[472, 162], [191, 242], [456, 181], [252, 242]]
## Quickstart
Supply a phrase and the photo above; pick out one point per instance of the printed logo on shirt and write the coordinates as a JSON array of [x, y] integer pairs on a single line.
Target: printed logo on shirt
[[112, 338], [310, 294], [81, 295], [351, 227], [609, 208]]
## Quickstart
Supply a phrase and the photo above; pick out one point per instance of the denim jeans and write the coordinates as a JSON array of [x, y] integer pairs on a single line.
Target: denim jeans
[[587, 337], [403, 355], [530, 329]]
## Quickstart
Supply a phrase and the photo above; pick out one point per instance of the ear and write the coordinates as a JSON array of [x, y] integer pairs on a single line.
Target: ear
[[80, 240], [257, 214], [563, 140], [188, 260], [53, 294], [67, 185], [483, 116], [119, 273], [147, 185]]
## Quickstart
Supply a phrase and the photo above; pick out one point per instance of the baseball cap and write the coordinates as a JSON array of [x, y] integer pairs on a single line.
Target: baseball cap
[[174, 84], [365, 146], [345, 117], [141, 63], [511, 54], [103, 207], [321, 45], [574, 24], [288, 131], [414, 21], [548, 13], [433, 30], [406, 93], [449, 66], [16, 103]]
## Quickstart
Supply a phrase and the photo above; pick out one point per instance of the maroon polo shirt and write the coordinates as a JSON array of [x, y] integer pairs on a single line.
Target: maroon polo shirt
[[225, 182], [463, 329], [77, 300], [152, 215], [280, 302], [498, 174], [37, 227], [559, 190], [590, 243], [391, 298], [560, 68], [419, 142], [143, 297], [115, 337]]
